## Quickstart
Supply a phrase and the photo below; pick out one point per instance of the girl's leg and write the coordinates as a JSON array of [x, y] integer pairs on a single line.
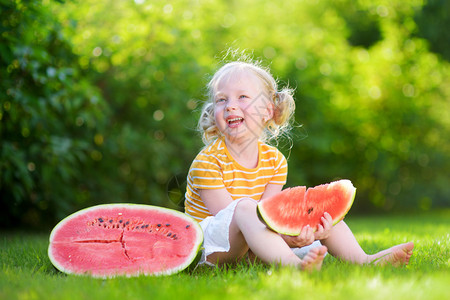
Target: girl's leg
[[342, 244], [247, 231]]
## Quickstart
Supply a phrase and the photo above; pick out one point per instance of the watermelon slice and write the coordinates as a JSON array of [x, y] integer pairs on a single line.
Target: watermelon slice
[[290, 210], [125, 240]]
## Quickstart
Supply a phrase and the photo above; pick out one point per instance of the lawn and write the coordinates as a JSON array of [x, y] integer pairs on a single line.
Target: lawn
[[26, 272]]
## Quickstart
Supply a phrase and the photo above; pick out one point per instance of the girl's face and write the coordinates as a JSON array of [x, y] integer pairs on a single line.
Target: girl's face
[[242, 107]]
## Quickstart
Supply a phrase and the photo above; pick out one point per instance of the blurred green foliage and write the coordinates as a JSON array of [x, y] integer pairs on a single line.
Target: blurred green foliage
[[99, 99], [50, 113]]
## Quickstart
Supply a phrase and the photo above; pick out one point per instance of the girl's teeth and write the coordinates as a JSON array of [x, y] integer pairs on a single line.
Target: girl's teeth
[[234, 120]]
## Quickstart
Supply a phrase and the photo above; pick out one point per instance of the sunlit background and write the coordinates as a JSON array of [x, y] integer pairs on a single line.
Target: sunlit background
[[100, 99]]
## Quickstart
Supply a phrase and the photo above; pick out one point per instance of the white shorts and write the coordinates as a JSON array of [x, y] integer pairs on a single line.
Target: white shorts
[[216, 233]]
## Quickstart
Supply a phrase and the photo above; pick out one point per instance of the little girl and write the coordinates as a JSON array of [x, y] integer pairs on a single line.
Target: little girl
[[237, 168]]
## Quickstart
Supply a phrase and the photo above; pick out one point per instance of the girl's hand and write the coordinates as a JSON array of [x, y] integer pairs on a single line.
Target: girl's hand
[[323, 230], [305, 238]]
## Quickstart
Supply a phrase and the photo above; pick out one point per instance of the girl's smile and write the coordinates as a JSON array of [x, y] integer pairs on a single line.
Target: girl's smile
[[234, 121]]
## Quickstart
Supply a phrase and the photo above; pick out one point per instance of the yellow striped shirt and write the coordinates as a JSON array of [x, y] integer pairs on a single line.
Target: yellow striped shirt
[[215, 168]]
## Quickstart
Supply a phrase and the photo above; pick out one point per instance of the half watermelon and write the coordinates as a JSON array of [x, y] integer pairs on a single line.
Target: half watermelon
[[290, 210], [125, 240]]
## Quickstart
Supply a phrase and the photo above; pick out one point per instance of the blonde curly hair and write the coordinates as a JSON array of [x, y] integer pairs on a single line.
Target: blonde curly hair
[[282, 101]]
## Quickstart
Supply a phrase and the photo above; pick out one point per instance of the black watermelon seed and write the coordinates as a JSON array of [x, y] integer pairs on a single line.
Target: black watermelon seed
[[128, 222], [120, 221], [100, 220], [169, 234], [110, 221], [167, 225], [143, 226], [187, 226], [174, 236], [159, 225], [310, 210], [146, 225]]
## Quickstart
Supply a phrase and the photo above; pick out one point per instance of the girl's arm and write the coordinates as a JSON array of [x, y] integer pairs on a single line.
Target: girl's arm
[[271, 189], [215, 199]]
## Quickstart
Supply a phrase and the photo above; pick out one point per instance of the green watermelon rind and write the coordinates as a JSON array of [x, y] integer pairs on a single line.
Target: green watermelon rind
[[264, 217], [190, 261], [352, 199], [268, 222]]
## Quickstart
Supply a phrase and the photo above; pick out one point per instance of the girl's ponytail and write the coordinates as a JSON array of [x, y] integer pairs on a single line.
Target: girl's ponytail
[[283, 111]]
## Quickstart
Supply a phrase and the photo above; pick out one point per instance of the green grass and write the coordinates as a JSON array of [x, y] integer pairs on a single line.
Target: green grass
[[26, 272]]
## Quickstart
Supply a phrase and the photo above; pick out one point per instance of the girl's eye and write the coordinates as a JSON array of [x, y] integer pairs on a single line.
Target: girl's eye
[[218, 100], [243, 97]]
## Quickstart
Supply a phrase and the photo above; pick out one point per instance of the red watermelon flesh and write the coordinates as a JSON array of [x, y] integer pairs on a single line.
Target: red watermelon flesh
[[125, 240], [292, 209]]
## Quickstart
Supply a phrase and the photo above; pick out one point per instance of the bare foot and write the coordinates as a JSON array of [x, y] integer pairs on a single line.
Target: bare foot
[[398, 255], [313, 259]]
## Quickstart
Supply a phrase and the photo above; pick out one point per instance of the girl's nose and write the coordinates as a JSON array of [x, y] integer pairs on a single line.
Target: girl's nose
[[231, 105], [230, 108]]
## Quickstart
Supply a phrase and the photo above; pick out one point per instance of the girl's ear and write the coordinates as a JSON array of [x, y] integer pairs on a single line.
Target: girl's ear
[[269, 112]]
